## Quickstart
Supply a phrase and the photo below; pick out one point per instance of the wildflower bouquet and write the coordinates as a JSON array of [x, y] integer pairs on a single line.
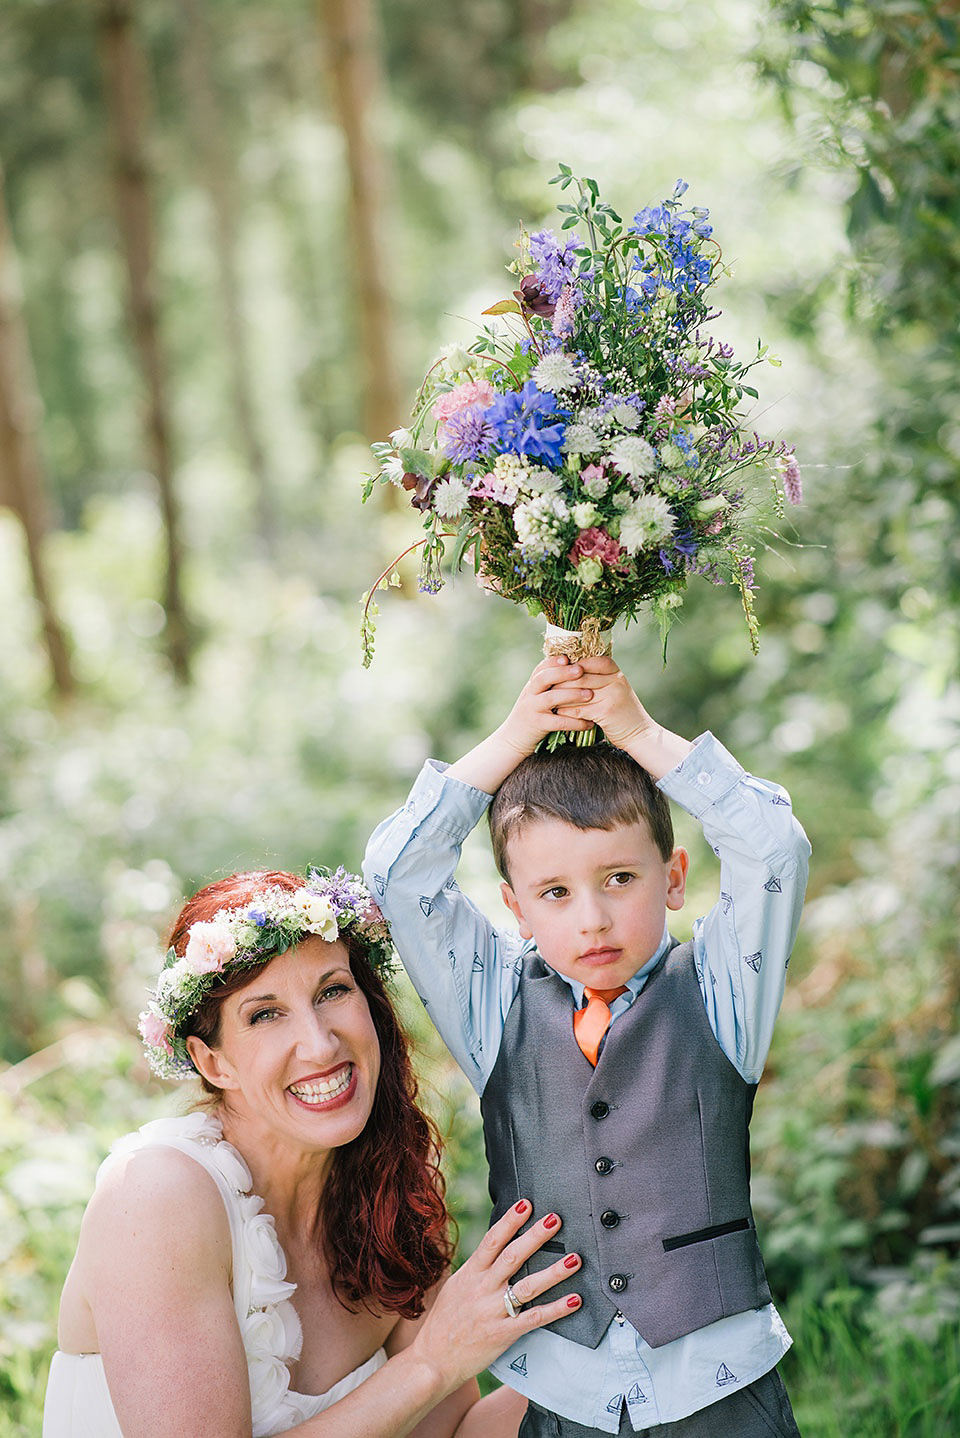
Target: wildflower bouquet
[[596, 457]]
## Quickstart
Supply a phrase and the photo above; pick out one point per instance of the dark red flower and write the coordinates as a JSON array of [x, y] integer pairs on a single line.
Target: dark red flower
[[422, 489], [531, 296]]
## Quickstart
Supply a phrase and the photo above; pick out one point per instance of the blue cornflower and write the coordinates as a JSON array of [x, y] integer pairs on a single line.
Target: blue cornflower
[[555, 262], [527, 421], [468, 434]]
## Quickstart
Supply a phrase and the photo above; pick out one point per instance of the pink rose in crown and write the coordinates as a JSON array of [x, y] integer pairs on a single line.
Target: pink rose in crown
[[209, 947], [155, 1031]]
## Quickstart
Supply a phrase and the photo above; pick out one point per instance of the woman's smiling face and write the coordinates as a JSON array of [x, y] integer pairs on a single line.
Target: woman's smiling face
[[297, 1047]]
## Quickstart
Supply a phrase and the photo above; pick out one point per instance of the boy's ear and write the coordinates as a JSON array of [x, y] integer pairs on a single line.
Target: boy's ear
[[677, 878], [208, 1063], [513, 904]]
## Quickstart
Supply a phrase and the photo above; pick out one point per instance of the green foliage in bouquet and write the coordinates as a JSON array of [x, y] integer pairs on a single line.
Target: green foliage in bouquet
[[594, 459]]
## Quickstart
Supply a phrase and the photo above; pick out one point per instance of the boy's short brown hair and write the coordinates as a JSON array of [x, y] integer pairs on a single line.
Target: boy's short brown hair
[[594, 787]]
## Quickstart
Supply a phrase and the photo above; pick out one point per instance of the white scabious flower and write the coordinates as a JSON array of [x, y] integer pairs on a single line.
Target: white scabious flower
[[555, 372], [584, 515], [580, 439], [633, 456], [627, 416], [646, 523], [541, 481], [450, 497], [672, 456]]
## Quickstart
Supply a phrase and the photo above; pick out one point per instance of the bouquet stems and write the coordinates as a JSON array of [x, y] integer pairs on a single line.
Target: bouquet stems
[[587, 642]]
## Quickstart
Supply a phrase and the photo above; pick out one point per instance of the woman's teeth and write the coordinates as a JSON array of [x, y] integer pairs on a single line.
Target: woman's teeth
[[320, 1090]]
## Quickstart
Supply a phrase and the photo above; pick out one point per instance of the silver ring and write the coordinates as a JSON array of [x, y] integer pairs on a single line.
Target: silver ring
[[511, 1303]]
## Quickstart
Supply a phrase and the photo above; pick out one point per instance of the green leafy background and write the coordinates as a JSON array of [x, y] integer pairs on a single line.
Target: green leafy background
[[824, 139]]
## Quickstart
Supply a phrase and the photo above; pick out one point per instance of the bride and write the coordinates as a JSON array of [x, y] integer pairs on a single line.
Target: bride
[[275, 1261]]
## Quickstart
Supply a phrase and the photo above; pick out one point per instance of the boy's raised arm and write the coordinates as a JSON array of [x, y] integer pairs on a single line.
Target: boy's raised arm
[[542, 707]]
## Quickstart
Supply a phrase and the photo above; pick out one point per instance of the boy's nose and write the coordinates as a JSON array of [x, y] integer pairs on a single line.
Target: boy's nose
[[593, 915]]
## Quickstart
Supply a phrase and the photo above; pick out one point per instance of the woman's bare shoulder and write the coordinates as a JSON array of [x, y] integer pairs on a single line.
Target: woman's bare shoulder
[[157, 1196]]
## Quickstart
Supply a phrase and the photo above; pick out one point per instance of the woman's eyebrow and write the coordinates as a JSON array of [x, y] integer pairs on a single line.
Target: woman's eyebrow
[[273, 999]]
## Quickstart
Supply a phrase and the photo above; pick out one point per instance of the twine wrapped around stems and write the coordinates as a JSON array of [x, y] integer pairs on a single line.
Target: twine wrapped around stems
[[588, 642]]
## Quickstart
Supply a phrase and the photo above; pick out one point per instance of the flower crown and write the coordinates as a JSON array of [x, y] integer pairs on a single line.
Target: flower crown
[[328, 905]]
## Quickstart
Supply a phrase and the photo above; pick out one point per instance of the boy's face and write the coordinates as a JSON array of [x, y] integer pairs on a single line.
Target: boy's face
[[594, 900]]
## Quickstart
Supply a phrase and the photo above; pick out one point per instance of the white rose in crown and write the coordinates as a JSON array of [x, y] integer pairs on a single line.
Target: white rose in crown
[[318, 912], [210, 946]]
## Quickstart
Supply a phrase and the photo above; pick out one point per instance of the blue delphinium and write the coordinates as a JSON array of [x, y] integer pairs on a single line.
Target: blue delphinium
[[529, 422], [679, 233]]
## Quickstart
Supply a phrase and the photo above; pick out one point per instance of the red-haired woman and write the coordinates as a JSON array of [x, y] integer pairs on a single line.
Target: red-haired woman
[[274, 1261]]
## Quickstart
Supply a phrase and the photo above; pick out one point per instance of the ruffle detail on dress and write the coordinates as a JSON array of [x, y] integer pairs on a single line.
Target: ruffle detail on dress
[[269, 1323]]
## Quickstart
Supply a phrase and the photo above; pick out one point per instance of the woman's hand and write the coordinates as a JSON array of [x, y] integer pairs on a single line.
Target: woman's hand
[[468, 1325]]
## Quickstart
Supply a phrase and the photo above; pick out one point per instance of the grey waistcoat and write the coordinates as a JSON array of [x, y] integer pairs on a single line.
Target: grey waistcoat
[[646, 1158]]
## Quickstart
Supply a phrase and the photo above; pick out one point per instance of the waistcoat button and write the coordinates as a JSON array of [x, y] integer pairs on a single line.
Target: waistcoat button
[[599, 1109], [609, 1218], [617, 1282], [603, 1165]]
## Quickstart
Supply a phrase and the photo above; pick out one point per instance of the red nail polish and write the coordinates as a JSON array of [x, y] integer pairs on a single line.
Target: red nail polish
[[522, 1206], [551, 1221], [571, 1261], [573, 1301]]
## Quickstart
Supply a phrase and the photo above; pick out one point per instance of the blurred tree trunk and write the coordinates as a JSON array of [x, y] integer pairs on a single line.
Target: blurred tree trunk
[[216, 165], [21, 468], [356, 74], [126, 93], [535, 19]]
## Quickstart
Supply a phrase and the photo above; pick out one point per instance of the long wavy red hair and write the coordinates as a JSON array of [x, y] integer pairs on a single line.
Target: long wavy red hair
[[382, 1214]]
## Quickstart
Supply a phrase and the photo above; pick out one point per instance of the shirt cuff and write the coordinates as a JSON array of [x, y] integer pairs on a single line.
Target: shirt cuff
[[704, 777]]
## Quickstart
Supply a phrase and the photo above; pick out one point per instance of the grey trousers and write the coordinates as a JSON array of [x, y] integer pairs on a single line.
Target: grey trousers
[[761, 1410]]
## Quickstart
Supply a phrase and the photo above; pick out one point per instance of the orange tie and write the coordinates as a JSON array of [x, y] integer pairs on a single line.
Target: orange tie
[[591, 1023]]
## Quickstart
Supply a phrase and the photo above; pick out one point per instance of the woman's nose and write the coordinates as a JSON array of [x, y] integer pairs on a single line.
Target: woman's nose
[[316, 1037]]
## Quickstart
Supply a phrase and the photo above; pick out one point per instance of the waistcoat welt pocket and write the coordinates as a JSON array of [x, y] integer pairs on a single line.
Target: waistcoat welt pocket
[[716, 1230]]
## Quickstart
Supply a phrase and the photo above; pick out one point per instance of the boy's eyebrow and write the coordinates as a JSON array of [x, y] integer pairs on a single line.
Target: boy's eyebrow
[[611, 867]]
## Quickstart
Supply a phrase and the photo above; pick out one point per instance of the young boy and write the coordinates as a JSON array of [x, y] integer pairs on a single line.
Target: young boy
[[616, 1068]]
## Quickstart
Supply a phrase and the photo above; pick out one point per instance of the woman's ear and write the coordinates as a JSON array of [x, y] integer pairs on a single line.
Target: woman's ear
[[209, 1064], [513, 904]]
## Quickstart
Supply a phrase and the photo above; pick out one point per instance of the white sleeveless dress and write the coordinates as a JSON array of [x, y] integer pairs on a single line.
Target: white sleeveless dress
[[78, 1403]]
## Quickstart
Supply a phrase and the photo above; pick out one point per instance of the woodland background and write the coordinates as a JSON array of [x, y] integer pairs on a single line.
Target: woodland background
[[233, 235]]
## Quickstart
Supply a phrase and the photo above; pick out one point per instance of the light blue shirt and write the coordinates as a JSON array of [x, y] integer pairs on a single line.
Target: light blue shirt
[[466, 971]]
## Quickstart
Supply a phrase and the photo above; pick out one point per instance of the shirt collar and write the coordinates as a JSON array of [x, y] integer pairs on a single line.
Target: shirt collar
[[634, 984]]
